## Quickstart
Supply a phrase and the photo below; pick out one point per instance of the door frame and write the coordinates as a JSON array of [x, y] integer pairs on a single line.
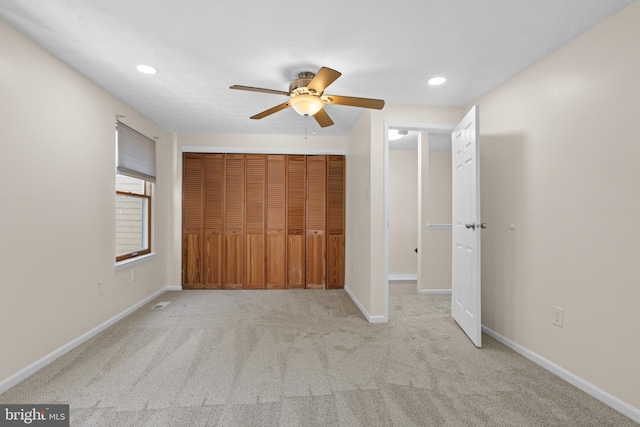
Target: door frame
[[411, 126], [177, 167]]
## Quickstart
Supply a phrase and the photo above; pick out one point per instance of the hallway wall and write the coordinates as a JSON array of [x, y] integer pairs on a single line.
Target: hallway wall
[[559, 169], [403, 212]]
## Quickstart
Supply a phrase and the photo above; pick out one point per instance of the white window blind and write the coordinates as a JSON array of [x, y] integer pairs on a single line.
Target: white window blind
[[136, 154]]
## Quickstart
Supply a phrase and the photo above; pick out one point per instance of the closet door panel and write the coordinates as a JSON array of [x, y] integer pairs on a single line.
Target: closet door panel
[[234, 205], [316, 221], [233, 261], [192, 262], [255, 261], [335, 221], [192, 213], [335, 261], [296, 218], [255, 184], [276, 254], [295, 260], [213, 255], [315, 260], [276, 221], [213, 220]]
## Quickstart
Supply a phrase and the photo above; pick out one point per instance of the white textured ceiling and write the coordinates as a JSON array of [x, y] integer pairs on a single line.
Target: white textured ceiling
[[384, 49]]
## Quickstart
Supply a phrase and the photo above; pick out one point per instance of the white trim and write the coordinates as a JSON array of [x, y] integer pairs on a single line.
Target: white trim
[[389, 124], [420, 127], [121, 265], [439, 226], [26, 372], [402, 278], [174, 288], [385, 222], [261, 150], [589, 388], [370, 319], [434, 291]]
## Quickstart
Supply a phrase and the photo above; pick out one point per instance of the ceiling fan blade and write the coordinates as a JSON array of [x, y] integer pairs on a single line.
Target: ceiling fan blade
[[376, 104], [323, 118], [271, 111], [259, 89], [323, 79]]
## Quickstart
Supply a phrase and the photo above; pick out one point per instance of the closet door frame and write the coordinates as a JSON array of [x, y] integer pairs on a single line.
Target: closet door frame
[[226, 150]]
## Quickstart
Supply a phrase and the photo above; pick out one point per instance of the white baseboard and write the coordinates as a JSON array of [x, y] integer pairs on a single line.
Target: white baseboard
[[26, 372], [174, 288], [370, 319], [434, 291], [401, 278], [584, 385]]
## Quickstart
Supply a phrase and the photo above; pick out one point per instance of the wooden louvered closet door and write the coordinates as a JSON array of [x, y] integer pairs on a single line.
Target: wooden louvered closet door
[[316, 216], [296, 183], [335, 221], [276, 213], [255, 169], [259, 221], [213, 220], [192, 212], [234, 222]]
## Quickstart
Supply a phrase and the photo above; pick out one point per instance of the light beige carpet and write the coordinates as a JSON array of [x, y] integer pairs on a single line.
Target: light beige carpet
[[302, 358]]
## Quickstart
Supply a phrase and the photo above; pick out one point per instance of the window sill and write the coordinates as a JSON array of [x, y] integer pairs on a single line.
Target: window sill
[[121, 265]]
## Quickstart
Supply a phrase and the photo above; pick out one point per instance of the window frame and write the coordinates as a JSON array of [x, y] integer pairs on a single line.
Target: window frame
[[148, 196]]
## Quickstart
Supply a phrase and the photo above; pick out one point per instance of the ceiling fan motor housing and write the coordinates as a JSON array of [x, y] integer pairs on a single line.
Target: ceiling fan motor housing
[[299, 86]]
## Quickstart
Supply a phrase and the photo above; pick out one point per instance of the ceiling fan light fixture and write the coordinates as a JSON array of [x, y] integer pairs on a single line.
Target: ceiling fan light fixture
[[306, 105]]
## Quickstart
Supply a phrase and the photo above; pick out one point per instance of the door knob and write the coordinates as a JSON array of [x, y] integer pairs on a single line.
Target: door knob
[[473, 226]]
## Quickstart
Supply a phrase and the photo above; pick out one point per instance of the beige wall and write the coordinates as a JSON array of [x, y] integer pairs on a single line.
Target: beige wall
[[403, 211], [560, 155], [436, 209], [358, 220], [288, 143], [57, 219]]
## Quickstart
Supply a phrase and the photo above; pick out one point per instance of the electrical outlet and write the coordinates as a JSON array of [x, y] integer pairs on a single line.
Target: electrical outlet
[[100, 289], [557, 316]]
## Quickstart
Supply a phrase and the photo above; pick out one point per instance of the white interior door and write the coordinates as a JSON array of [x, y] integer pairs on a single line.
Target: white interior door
[[465, 287]]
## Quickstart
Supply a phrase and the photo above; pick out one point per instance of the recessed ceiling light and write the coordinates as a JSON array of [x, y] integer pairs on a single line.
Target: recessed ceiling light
[[435, 81], [146, 69]]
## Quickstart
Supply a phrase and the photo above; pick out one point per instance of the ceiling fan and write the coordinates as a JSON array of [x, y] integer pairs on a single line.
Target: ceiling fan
[[307, 98]]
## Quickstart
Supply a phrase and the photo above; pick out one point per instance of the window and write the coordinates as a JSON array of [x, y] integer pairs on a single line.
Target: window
[[135, 175], [133, 217]]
